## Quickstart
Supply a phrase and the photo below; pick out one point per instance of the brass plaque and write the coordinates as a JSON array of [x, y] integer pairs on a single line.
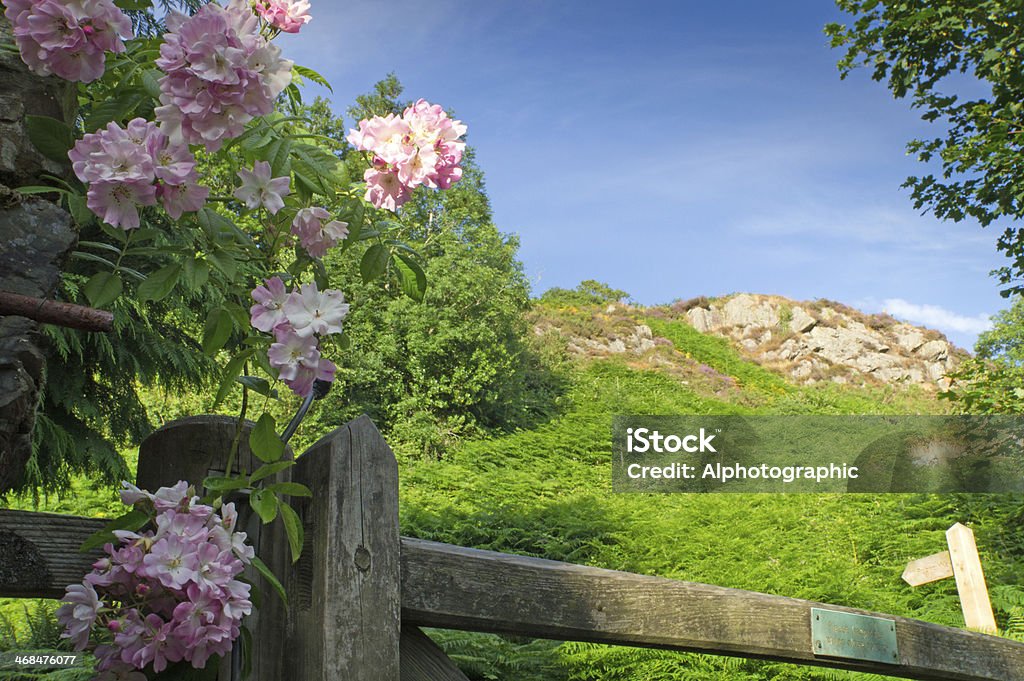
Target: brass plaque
[[854, 637]]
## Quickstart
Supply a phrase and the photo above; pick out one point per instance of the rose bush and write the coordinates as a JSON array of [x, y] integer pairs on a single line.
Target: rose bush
[[165, 125]]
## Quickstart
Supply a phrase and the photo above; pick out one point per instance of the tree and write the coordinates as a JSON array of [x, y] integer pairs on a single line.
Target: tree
[[937, 52], [457, 361], [992, 382]]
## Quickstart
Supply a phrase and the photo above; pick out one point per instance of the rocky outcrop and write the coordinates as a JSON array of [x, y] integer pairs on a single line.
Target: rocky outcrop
[[35, 236], [819, 341]]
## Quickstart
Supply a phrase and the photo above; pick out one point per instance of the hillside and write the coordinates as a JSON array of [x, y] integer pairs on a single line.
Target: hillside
[[806, 342], [545, 491]]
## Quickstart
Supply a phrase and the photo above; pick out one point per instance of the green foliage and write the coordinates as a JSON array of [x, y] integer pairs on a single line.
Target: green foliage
[[992, 382], [438, 347], [28, 627], [922, 51], [589, 292]]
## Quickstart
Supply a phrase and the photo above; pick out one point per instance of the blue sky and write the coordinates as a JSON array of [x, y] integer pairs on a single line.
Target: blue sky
[[676, 149]]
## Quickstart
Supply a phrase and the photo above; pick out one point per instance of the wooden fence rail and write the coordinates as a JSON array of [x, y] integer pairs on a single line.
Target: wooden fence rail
[[360, 590]]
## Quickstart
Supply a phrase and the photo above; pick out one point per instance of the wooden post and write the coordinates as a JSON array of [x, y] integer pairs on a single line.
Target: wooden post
[[970, 579], [345, 595], [192, 449]]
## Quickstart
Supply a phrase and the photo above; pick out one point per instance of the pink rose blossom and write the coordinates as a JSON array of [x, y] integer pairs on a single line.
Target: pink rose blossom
[[284, 15], [127, 168], [118, 203], [291, 351], [82, 607], [67, 38], [259, 189], [385, 190], [221, 73], [307, 373], [422, 147], [172, 593], [178, 199], [314, 234], [270, 298], [296, 319], [310, 311]]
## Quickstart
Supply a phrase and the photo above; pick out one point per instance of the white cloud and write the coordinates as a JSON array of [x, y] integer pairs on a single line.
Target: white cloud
[[936, 317]]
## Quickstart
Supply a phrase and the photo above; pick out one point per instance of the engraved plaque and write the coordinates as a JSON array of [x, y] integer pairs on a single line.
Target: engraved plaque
[[854, 637]]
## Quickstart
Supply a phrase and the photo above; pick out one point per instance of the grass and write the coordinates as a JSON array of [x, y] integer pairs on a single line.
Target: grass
[[547, 492]]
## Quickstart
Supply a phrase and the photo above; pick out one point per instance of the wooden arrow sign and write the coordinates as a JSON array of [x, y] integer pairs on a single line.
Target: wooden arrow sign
[[930, 569], [960, 561]]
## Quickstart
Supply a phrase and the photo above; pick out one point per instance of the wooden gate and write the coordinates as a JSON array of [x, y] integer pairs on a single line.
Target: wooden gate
[[360, 591]]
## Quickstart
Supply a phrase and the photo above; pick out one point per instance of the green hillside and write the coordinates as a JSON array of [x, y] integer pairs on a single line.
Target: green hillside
[[546, 491]]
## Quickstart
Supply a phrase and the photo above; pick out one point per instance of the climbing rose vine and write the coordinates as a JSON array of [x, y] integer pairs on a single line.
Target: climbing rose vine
[[297, 319], [164, 595], [197, 171]]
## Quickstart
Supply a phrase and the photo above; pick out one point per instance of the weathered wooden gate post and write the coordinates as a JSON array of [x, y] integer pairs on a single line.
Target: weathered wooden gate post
[[192, 449], [345, 592]]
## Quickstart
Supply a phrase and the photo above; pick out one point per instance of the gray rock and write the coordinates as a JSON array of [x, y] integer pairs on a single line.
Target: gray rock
[[35, 237], [801, 322], [934, 351]]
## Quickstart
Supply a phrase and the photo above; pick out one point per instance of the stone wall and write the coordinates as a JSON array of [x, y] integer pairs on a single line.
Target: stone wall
[[35, 238]]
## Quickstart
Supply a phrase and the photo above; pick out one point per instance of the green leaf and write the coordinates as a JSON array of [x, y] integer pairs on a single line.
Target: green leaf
[[80, 211], [310, 74], [225, 263], [159, 284], [231, 371], [262, 568], [116, 109], [195, 273], [42, 189], [132, 520], [411, 276], [217, 330], [293, 527], [278, 154], [51, 137], [151, 83], [374, 262], [264, 442], [292, 489], [103, 289], [258, 385], [266, 470], [246, 640], [134, 5], [222, 484], [265, 504]]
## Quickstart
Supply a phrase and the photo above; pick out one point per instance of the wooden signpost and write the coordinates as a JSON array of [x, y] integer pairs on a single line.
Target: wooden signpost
[[962, 562]]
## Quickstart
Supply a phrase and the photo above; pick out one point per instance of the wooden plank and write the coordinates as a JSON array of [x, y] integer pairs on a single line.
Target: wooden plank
[[191, 449], [970, 579], [39, 553], [423, 660], [928, 569], [455, 587], [458, 588], [345, 613]]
